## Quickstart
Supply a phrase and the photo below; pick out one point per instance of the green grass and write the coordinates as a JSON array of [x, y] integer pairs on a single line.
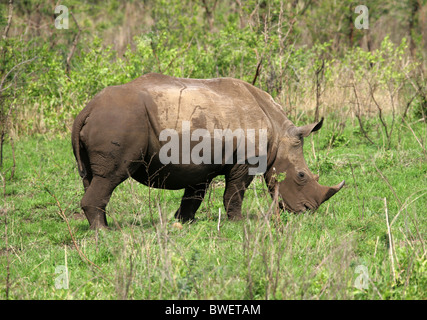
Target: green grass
[[266, 256]]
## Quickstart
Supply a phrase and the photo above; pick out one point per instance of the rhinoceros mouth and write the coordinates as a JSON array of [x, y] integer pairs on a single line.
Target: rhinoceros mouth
[[307, 207], [301, 208], [310, 208]]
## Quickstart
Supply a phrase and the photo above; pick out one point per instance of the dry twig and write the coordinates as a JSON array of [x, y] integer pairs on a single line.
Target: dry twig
[[63, 216], [390, 240]]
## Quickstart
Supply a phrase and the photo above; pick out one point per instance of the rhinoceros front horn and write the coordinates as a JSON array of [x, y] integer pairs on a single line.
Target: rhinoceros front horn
[[330, 191]]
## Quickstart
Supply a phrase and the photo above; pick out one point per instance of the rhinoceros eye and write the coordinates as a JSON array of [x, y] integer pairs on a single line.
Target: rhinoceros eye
[[301, 174]]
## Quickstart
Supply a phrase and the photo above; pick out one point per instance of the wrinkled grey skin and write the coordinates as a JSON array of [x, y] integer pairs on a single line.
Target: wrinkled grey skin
[[116, 136]]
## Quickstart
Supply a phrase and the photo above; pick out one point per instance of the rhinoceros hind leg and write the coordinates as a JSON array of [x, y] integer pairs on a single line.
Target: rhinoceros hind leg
[[193, 197], [236, 182], [95, 200]]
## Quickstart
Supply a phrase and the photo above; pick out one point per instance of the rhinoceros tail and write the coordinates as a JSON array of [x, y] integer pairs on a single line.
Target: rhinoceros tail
[[78, 149]]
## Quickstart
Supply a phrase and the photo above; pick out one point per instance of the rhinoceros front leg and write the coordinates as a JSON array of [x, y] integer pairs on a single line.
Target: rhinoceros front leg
[[193, 197], [237, 181]]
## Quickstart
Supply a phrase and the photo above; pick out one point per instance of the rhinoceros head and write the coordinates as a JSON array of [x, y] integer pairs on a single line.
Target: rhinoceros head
[[298, 188]]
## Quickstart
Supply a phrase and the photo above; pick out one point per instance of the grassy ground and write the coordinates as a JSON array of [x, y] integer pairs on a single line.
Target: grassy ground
[[342, 251]]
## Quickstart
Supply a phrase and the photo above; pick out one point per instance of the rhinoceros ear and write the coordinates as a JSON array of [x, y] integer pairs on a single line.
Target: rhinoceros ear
[[305, 131]]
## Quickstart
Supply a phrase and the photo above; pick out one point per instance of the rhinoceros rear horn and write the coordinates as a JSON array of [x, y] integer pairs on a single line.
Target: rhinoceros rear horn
[[330, 191], [309, 128]]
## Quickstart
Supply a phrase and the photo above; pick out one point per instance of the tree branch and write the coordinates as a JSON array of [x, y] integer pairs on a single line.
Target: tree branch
[[73, 48], [9, 19], [14, 67], [258, 68], [358, 116]]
